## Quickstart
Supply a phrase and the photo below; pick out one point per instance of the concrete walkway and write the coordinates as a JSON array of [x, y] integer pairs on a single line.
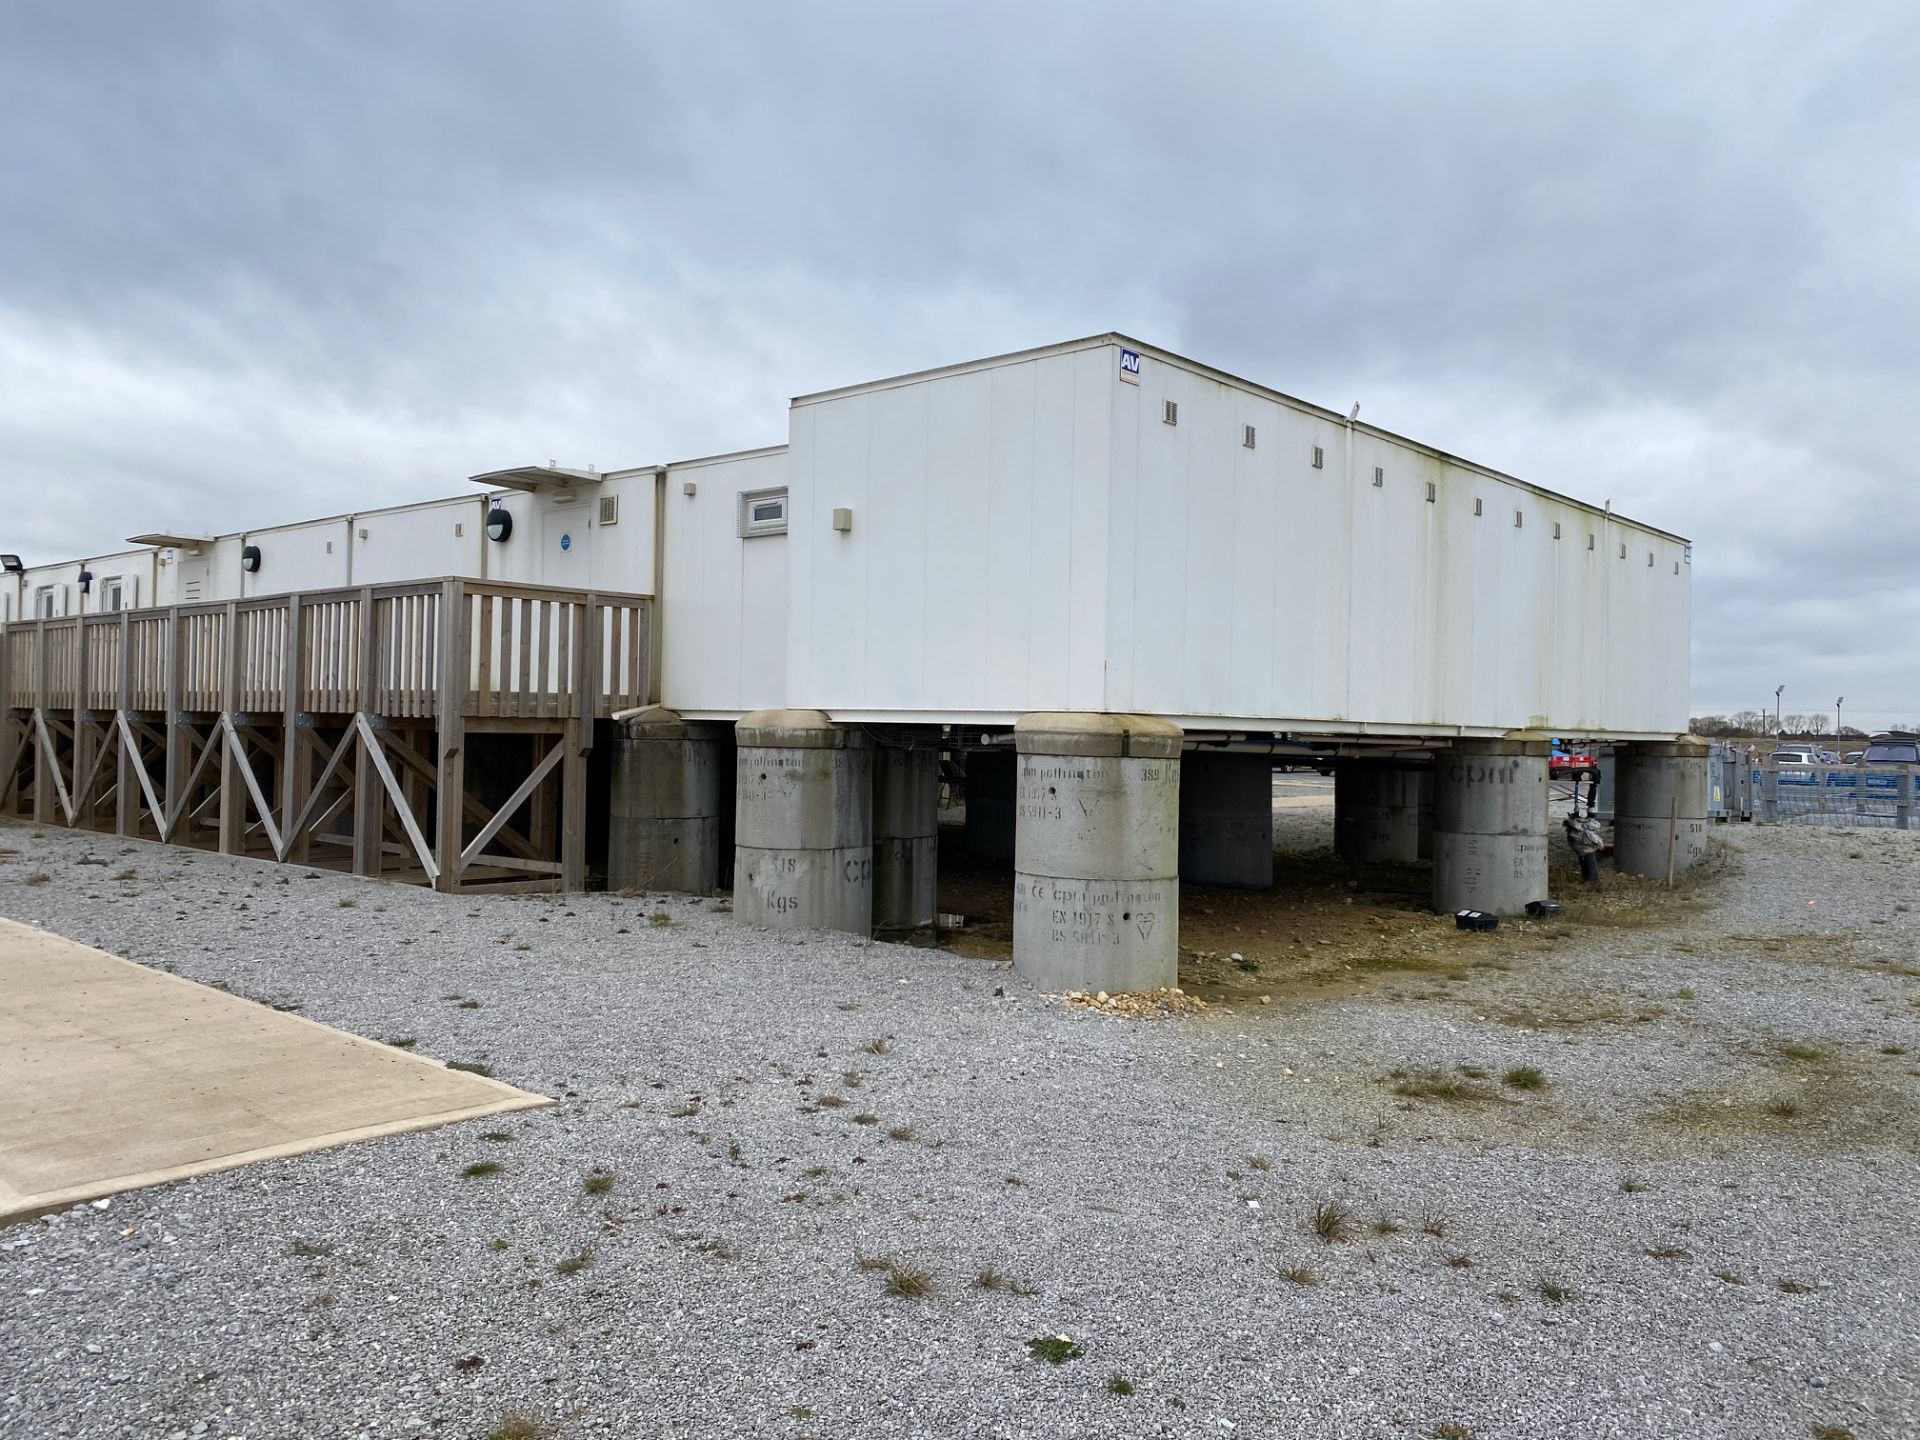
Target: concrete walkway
[[114, 1076]]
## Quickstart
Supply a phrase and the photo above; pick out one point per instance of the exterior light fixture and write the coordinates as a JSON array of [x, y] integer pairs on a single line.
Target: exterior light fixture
[[250, 558], [499, 525], [86, 582], [11, 564]]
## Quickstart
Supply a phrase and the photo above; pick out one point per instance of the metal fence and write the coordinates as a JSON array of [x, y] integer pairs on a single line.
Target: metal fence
[[1835, 794]]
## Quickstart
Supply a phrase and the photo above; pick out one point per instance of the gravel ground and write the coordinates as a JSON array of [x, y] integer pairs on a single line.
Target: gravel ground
[[1142, 1187]]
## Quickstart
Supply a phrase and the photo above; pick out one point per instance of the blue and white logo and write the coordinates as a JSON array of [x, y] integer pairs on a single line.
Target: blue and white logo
[[1130, 366], [566, 542]]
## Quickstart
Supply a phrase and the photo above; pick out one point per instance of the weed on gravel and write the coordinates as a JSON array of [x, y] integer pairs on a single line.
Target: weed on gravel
[[1119, 1385], [520, 1425], [1331, 1221], [480, 1168], [906, 1282], [598, 1183], [1054, 1349], [1301, 1275]]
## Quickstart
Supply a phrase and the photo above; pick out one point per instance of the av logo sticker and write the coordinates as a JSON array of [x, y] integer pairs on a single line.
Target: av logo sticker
[[1130, 366]]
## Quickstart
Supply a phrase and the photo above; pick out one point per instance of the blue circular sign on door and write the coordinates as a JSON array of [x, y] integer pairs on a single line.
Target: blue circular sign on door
[[566, 542]]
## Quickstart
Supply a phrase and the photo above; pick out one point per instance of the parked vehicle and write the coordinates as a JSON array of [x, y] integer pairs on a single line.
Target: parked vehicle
[[1572, 761], [1893, 748], [1852, 757], [1795, 755]]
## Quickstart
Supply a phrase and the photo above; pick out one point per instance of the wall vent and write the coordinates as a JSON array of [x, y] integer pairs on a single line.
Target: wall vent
[[1589, 540], [1379, 476], [1649, 559], [1556, 529], [1623, 549], [1518, 519], [1169, 412], [1246, 436], [1478, 509], [1433, 492], [609, 509], [1319, 458]]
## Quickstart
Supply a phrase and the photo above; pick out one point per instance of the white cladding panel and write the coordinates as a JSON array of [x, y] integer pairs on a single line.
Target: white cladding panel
[[443, 538], [974, 576], [1034, 534], [724, 619], [313, 556]]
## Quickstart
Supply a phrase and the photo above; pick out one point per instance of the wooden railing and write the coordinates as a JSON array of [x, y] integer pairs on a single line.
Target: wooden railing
[[514, 651]]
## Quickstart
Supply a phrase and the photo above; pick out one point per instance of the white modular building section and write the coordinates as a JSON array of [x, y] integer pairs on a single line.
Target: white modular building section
[[724, 593], [1105, 526], [123, 581]]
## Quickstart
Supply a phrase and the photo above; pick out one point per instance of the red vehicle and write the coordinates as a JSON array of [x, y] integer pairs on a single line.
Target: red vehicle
[[1571, 760]]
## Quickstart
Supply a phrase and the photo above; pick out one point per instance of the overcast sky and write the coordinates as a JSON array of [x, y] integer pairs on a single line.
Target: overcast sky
[[265, 261]]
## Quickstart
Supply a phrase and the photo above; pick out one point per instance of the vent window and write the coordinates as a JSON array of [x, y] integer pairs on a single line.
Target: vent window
[[1479, 508], [1379, 476], [763, 512], [1319, 458], [1518, 519], [1169, 412], [1246, 436], [609, 509], [1433, 492]]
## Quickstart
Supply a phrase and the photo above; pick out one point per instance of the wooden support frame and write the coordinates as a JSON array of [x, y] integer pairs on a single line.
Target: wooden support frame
[[260, 724]]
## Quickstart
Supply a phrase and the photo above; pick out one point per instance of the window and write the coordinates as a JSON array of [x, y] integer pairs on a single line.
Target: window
[[44, 601], [112, 593], [763, 512]]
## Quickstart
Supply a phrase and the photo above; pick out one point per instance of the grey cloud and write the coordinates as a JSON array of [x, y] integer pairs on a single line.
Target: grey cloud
[[282, 258]]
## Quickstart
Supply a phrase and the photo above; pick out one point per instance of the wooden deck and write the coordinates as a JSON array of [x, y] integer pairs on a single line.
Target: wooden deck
[[332, 724]]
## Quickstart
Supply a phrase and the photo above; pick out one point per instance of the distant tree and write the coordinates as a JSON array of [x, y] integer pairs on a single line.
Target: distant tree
[[1852, 732], [1749, 722], [1816, 724]]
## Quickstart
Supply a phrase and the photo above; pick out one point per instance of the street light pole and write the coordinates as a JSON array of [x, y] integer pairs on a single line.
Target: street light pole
[[1778, 691], [1836, 722]]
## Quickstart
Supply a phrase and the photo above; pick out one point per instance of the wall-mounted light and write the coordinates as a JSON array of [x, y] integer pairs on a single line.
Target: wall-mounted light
[[11, 564], [250, 558], [86, 582], [499, 525]]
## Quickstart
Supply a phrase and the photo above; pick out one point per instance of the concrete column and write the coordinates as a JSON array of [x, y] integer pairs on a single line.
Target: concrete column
[[990, 787], [1096, 859], [1660, 800], [1226, 819], [667, 803], [906, 834], [803, 851], [1382, 812], [1490, 825]]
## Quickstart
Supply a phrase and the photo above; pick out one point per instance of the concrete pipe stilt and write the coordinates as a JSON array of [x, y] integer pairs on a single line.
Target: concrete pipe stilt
[[1226, 819], [1490, 825], [1382, 812], [1660, 807], [906, 834], [1097, 850], [667, 805], [803, 847], [990, 787]]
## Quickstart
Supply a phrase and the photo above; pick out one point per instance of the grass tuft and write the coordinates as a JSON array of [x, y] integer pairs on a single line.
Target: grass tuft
[[989, 1278], [1437, 1085], [1332, 1220], [482, 1167], [1524, 1077], [576, 1262], [471, 1067], [1554, 1292], [879, 1045], [1450, 1430], [1301, 1275], [866, 1119], [660, 920], [901, 1133], [1434, 1223], [1633, 1185], [520, 1425], [874, 1262], [1119, 1385], [1830, 1432], [909, 1284], [404, 1042], [1790, 1286], [1668, 1252], [1799, 1050], [598, 1183], [310, 1249]]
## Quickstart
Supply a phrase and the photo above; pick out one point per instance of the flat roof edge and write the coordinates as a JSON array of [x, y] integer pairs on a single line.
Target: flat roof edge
[[1225, 377]]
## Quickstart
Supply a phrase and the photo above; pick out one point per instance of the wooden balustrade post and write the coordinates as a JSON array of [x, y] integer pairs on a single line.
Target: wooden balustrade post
[[170, 797], [577, 737], [81, 784], [233, 797], [42, 762], [450, 739], [369, 800], [126, 794], [295, 780]]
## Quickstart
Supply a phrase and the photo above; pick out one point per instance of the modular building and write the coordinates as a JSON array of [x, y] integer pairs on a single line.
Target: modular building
[[1119, 581]]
